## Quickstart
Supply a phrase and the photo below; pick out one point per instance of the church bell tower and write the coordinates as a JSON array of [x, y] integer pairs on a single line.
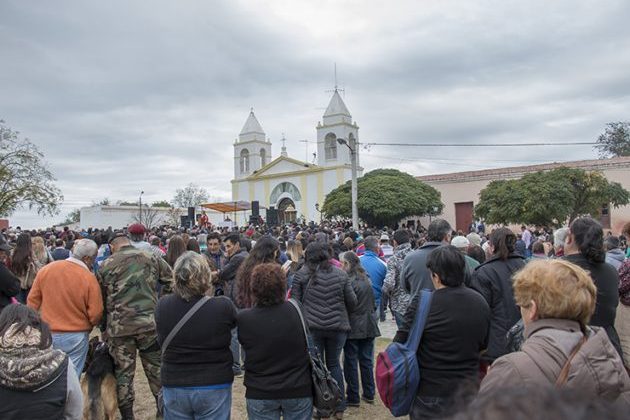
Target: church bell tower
[[252, 150]]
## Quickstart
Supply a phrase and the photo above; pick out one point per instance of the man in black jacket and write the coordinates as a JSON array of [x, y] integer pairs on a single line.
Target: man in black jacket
[[415, 275], [227, 286], [60, 252], [9, 284]]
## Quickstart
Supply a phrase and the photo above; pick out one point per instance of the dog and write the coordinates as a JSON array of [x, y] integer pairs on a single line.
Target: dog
[[98, 385]]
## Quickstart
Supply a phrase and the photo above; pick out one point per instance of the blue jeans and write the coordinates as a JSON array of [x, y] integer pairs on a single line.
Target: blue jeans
[[235, 348], [361, 352], [428, 408], [75, 345], [199, 403], [330, 344], [288, 409]]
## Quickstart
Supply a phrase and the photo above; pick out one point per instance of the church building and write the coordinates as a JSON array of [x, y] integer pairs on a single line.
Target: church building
[[294, 188]]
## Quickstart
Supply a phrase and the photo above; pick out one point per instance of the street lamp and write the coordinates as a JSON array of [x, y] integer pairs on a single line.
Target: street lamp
[[140, 205], [353, 162]]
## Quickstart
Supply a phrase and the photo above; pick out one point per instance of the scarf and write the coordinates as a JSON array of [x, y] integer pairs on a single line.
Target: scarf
[[23, 365]]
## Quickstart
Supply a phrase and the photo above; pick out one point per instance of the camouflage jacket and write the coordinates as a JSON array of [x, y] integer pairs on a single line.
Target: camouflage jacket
[[129, 280], [392, 285]]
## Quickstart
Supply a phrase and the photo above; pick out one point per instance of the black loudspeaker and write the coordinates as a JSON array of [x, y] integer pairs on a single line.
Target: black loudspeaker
[[184, 221], [272, 216], [191, 213], [255, 208]]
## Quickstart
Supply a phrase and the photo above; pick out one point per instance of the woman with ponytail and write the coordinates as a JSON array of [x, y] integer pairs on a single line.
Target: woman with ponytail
[[584, 247], [493, 279]]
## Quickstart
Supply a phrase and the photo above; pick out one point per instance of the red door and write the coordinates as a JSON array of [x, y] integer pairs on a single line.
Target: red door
[[463, 216]]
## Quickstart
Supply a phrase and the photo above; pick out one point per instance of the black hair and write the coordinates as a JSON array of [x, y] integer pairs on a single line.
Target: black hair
[[589, 238], [266, 250], [476, 252], [438, 229], [22, 254], [316, 257], [449, 264], [401, 236], [503, 241], [233, 238], [25, 317], [538, 247], [371, 244], [213, 235], [611, 242], [246, 244]]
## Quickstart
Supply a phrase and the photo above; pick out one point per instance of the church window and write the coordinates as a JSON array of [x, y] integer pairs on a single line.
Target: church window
[[244, 161], [330, 146], [263, 157], [285, 187]]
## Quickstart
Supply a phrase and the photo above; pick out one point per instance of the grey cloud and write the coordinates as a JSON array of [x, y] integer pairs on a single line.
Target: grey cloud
[[126, 96]]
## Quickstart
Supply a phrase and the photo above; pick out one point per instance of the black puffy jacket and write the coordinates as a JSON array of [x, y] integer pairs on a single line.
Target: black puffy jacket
[[493, 279], [326, 296], [606, 279], [363, 322]]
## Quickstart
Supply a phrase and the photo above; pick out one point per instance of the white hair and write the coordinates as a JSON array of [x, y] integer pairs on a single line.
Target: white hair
[[559, 236], [84, 248]]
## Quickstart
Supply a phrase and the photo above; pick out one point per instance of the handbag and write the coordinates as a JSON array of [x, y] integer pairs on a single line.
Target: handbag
[[326, 393], [171, 335]]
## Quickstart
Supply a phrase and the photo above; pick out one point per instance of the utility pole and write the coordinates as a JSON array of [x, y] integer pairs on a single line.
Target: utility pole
[[140, 208], [354, 191]]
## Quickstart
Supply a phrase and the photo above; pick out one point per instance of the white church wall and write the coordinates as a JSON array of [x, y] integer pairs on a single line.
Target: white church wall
[[284, 166]]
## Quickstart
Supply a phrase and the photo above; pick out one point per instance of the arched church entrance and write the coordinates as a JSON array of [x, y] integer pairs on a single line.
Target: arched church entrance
[[285, 196], [286, 211]]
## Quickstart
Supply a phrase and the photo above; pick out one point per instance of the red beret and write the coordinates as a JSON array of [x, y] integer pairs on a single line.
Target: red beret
[[136, 228]]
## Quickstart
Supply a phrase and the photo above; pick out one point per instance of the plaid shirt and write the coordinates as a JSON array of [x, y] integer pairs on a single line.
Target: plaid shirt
[[399, 298]]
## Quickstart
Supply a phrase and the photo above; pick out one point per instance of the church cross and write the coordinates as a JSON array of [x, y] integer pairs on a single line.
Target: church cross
[[336, 88]]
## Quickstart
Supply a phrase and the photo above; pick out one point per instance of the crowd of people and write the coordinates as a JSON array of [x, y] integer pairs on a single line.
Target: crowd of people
[[202, 306]]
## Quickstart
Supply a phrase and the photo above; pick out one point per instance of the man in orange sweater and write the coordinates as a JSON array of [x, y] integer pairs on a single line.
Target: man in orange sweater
[[69, 299]]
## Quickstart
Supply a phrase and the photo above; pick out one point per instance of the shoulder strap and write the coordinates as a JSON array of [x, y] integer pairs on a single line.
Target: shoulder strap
[[564, 373], [415, 334], [183, 321], [299, 311], [307, 335]]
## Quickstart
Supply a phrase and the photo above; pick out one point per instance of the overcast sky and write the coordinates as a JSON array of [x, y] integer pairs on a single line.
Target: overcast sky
[[149, 95]]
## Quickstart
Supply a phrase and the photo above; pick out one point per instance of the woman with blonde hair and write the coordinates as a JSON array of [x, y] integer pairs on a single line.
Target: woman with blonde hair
[[556, 300], [295, 252], [42, 255]]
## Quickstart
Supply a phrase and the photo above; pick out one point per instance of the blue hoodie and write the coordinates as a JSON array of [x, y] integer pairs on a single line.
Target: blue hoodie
[[376, 269]]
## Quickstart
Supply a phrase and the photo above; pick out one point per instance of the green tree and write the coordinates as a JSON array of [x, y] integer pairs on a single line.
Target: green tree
[[104, 202], [550, 198], [384, 197], [191, 195], [615, 140], [25, 179], [162, 203], [128, 203], [73, 217]]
